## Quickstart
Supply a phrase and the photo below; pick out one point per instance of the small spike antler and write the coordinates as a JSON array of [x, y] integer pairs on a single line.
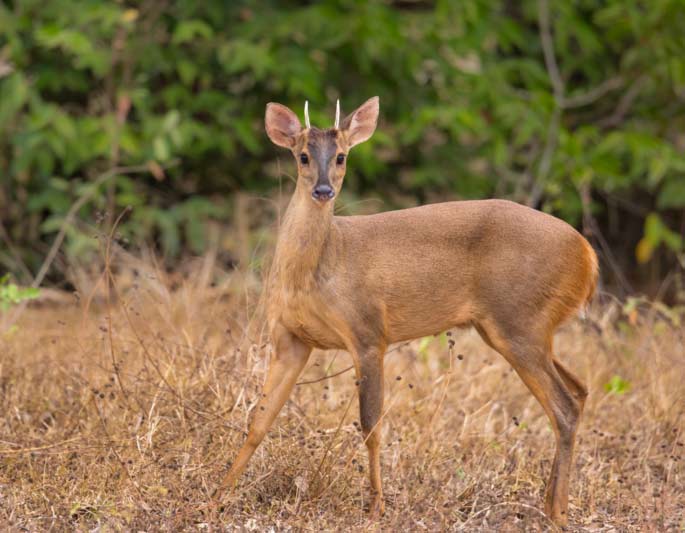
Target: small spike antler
[[306, 114], [337, 114]]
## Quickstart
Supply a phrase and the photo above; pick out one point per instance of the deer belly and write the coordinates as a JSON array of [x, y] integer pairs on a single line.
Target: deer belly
[[428, 314]]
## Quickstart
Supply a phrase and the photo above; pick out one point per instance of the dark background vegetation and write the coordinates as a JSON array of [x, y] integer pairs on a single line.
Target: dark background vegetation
[[576, 108]]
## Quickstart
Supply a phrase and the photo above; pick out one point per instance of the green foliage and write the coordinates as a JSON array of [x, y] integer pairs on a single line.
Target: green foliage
[[468, 107], [11, 294], [656, 233]]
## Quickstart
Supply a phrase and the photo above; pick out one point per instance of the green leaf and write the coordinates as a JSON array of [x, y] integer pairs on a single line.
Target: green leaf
[[658, 167], [161, 149], [672, 194], [190, 30]]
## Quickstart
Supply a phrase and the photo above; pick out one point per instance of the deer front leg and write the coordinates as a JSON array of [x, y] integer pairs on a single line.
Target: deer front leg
[[290, 357], [370, 377]]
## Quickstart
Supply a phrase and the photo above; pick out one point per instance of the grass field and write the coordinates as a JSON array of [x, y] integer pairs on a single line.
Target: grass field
[[125, 419]]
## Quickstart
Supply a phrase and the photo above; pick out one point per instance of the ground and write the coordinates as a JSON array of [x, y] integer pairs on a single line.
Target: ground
[[124, 417]]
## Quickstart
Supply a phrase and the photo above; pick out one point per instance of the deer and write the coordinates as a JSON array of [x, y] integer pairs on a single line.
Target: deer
[[361, 283]]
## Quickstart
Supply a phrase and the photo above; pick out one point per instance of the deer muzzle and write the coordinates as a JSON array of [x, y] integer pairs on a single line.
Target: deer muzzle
[[323, 192]]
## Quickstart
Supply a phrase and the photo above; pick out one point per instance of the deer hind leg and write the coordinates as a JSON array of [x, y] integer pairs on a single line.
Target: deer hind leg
[[559, 392], [369, 366], [290, 357]]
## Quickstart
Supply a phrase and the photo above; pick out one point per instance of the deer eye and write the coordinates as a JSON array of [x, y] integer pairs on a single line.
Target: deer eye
[[304, 159], [340, 159]]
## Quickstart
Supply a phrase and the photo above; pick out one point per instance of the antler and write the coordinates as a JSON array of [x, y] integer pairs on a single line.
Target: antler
[[337, 114], [306, 114]]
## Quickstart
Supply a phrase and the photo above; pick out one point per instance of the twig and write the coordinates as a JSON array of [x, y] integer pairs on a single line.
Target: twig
[[624, 104], [629, 206], [594, 94], [325, 377], [402, 345], [108, 281]]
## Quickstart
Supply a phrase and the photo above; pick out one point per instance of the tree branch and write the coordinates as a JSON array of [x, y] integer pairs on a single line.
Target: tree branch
[[545, 164]]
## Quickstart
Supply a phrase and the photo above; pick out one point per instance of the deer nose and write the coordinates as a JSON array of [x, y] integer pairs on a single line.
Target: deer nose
[[323, 192]]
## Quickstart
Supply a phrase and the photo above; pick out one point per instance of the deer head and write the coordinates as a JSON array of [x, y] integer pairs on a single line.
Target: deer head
[[321, 154]]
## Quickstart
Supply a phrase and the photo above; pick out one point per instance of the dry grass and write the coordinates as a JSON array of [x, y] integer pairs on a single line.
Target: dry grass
[[125, 420]]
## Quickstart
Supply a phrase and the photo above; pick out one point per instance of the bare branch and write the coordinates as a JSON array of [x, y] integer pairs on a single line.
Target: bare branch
[[594, 94], [548, 51], [325, 377], [624, 104], [546, 159]]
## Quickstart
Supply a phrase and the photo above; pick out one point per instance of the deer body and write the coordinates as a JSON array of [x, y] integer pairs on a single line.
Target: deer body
[[405, 274], [360, 283]]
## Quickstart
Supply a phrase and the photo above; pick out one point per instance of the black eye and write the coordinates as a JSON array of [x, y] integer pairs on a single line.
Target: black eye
[[341, 159], [304, 159]]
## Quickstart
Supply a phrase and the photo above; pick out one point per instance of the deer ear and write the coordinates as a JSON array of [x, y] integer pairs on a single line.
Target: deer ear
[[282, 125], [361, 123]]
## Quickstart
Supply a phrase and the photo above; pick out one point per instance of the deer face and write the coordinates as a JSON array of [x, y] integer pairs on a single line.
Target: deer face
[[321, 162], [321, 155]]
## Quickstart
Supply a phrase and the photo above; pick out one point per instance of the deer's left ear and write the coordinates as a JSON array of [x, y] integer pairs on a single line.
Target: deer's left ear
[[361, 123], [282, 125]]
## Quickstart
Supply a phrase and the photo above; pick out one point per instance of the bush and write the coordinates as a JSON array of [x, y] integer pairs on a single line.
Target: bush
[[475, 100]]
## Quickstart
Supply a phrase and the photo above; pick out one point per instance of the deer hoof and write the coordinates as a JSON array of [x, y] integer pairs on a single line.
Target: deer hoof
[[377, 508]]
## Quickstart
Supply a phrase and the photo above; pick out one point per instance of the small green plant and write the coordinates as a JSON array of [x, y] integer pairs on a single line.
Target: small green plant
[[11, 294], [423, 348], [617, 385]]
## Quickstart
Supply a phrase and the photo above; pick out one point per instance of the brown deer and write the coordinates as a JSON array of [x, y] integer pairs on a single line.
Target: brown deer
[[359, 283]]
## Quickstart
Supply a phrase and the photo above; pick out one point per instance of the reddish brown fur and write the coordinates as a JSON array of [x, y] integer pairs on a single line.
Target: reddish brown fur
[[360, 283]]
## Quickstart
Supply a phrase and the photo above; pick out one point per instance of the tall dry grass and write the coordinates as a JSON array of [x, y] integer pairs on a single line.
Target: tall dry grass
[[125, 416]]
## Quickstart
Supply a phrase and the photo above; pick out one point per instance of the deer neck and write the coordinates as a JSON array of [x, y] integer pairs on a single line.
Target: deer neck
[[302, 240]]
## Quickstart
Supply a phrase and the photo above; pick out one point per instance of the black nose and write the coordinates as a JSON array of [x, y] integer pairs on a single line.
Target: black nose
[[323, 192]]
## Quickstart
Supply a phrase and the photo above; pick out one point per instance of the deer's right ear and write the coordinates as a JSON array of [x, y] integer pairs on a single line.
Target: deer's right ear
[[282, 125]]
